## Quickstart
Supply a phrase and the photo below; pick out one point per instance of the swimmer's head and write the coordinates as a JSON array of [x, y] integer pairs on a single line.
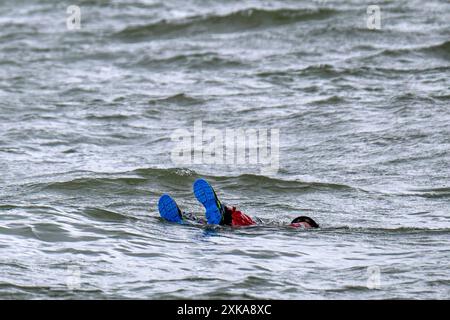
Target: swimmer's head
[[305, 222]]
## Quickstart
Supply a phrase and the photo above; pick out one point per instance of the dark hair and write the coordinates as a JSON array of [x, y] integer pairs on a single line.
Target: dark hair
[[227, 218], [308, 220]]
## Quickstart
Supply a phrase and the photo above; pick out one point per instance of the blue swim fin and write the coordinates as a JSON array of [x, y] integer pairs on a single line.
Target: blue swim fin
[[168, 209], [207, 196]]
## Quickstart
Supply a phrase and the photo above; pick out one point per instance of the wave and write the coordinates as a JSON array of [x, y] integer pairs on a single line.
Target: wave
[[441, 50], [176, 176], [89, 180], [332, 100], [443, 192], [315, 71], [236, 21], [177, 99], [137, 182], [411, 97], [242, 180], [92, 182], [206, 60], [108, 117], [106, 215]]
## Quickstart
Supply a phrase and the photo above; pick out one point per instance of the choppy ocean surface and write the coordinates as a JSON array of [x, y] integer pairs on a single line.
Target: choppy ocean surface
[[85, 149]]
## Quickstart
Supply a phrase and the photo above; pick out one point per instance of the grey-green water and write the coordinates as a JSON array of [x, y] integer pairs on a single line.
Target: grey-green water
[[85, 148]]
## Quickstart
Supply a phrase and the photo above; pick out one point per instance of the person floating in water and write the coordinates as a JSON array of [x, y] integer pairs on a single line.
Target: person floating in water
[[216, 213]]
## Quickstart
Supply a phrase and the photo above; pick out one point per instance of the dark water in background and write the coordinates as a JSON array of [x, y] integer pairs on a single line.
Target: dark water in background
[[85, 124]]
